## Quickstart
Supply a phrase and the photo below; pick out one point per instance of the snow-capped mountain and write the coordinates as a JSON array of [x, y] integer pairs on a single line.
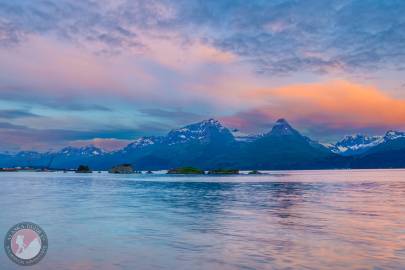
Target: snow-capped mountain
[[208, 144], [89, 150], [143, 142], [205, 131], [355, 144], [393, 135], [359, 143]]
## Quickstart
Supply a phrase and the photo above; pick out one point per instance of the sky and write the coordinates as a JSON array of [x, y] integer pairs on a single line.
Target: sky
[[105, 72]]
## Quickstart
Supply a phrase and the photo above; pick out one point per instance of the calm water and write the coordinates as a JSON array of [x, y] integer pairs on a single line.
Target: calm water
[[286, 220]]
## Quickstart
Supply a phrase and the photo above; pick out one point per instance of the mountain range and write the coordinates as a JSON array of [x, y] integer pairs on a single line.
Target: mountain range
[[208, 145], [359, 144]]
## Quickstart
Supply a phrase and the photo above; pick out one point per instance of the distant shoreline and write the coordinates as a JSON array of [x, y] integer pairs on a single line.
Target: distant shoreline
[[242, 172]]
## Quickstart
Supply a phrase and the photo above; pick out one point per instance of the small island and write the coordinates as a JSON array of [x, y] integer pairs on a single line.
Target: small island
[[223, 171], [83, 169], [185, 170], [8, 169], [122, 169], [254, 172]]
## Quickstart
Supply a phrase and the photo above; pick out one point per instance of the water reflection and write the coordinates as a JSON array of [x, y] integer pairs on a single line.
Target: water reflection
[[104, 222]]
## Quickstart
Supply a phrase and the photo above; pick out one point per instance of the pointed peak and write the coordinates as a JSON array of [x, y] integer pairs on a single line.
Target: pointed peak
[[282, 127], [282, 121]]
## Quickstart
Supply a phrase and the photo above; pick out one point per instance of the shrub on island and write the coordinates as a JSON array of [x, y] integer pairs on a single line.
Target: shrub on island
[[185, 170], [83, 169]]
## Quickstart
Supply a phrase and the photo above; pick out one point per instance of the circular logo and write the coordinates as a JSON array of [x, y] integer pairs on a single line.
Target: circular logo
[[26, 243]]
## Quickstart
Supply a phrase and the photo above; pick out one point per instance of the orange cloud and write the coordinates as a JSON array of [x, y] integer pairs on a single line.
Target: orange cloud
[[344, 103], [335, 103]]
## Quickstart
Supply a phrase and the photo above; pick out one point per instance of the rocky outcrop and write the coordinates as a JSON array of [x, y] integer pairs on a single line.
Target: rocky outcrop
[[122, 169], [83, 169]]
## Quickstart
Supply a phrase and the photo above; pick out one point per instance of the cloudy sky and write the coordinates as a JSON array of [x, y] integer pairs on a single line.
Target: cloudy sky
[[104, 72]]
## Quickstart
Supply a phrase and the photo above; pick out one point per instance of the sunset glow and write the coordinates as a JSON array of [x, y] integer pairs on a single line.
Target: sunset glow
[[147, 68]]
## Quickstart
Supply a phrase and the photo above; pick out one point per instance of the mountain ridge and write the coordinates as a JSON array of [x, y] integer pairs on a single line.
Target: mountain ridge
[[359, 143], [208, 144]]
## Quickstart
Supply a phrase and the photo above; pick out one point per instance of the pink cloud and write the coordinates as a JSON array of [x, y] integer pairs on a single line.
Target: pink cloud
[[184, 57], [51, 67], [105, 144]]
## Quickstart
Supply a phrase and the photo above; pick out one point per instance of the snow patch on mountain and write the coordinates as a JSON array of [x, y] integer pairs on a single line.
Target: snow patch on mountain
[[393, 135], [142, 142], [243, 137], [359, 143], [89, 150]]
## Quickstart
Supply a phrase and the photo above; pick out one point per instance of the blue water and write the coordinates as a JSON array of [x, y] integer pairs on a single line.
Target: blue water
[[285, 220]]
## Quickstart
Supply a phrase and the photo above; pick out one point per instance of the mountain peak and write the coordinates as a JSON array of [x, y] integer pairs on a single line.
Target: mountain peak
[[201, 131], [283, 128], [200, 126], [282, 121], [211, 122]]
